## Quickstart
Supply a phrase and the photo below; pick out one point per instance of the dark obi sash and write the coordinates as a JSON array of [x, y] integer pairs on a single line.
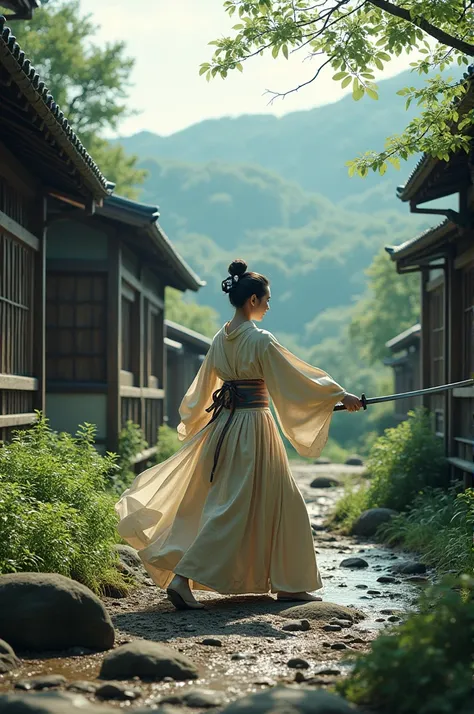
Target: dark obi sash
[[237, 394]]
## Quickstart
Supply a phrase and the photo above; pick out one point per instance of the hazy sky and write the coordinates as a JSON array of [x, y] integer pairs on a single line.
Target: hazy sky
[[170, 41]]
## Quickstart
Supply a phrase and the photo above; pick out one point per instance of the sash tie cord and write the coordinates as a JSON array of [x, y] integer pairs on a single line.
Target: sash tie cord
[[236, 394]]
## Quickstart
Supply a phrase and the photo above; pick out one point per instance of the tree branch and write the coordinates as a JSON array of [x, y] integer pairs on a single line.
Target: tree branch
[[466, 48]]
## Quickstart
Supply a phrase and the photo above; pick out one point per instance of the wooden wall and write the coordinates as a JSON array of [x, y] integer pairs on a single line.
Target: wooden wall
[[21, 296]]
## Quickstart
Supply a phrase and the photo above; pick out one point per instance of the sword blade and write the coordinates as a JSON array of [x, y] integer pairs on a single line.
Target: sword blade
[[421, 392], [410, 395]]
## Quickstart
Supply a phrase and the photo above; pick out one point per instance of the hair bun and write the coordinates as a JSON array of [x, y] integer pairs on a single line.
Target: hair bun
[[237, 267]]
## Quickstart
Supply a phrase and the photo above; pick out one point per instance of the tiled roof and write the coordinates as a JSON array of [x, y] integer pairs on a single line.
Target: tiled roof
[[427, 162], [145, 217], [24, 75], [23, 9], [404, 338], [399, 251]]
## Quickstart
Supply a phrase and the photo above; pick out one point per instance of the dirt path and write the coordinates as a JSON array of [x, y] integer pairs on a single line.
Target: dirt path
[[249, 649]]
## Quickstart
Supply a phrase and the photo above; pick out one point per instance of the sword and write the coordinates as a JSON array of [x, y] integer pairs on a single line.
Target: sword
[[408, 395]]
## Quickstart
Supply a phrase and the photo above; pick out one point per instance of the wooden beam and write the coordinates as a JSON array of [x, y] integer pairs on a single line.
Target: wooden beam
[[140, 287], [62, 265], [7, 420], [114, 340], [17, 231], [464, 259], [39, 305], [16, 174], [142, 392], [425, 334], [464, 392], [144, 455], [16, 383]]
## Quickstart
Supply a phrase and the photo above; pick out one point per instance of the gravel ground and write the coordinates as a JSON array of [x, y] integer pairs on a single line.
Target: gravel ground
[[239, 642]]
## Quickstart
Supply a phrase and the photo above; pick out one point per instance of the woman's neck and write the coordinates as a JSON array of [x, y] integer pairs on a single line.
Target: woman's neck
[[239, 318]]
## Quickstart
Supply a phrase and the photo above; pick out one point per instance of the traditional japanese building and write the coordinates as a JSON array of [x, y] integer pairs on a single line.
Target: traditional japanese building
[[41, 161], [82, 276], [105, 332], [444, 256], [405, 362], [185, 352]]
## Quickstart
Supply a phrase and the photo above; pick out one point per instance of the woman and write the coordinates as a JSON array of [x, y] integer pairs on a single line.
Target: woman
[[224, 512]]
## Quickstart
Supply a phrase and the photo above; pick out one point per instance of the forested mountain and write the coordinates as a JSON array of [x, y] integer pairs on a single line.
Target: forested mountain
[[308, 147]]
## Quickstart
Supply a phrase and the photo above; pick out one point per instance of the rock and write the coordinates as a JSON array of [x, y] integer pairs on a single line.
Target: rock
[[373, 592], [239, 656], [44, 611], [325, 482], [130, 564], [387, 579], [211, 642], [331, 671], [322, 461], [47, 681], [118, 691], [332, 628], [393, 618], [147, 660], [299, 677], [354, 460], [50, 703], [297, 626], [8, 659], [339, 646], [199, 698], [362, 587], [370, 521], [354, 563], [290, 700], [322, 611], [409, 568], [298, 663], [418, 580], [341, 623]]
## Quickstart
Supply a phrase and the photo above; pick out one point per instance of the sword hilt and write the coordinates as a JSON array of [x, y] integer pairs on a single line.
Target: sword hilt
[[342, 408]]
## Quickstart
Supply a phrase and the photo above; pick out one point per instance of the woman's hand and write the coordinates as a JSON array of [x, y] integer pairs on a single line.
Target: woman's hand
[[352, 403]]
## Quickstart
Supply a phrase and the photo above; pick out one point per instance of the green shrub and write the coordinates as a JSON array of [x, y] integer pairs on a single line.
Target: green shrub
[[349, 507], [426, 664], [405, 461], [131, 442], [55, 512], [168, 443], [439, 527]]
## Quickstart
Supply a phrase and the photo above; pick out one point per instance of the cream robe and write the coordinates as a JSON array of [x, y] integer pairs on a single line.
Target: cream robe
[[249, 530]]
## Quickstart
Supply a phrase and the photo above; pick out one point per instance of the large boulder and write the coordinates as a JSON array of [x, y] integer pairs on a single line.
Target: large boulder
[[44, 612], [289, 700], [322, 611], [147, 660], [8, 660], [409, 568], [354, 460], [370, 521], [50, 703]]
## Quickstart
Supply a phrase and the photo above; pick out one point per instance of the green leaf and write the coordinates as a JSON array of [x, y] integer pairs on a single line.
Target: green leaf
[[339, 75], [383, 168], [372, 93], [275, 51], [285, 50], [239, 67], [384, 56], [346, 82], [204, 69], [239, 26], [378, 63]]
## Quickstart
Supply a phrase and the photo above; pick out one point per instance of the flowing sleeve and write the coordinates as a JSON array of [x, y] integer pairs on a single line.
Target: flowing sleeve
[[196, 400], [303, 397]]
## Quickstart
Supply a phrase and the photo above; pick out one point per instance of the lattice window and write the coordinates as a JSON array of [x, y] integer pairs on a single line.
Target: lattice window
[[468, 320], [14, 204], [76, 327], [437, 335], [154, 344], [16, 303]]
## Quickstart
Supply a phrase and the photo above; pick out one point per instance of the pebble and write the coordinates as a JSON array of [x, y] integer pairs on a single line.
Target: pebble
[[373, 592], [341, 623], [388, 579], [332, 628], [297, 626], [362, 587], [339, 646], [118, 691], [48, 681], [239, 656], [328, 670], [196, 698], [298, 663], [299, 677], [417, 580], [355, 563], [380, 619], [211, 642], [393, 618]]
